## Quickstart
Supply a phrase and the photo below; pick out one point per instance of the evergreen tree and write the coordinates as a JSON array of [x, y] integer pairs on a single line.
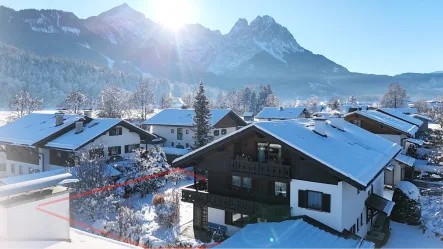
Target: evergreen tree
[[352, 100], [334, 104], [202, 118]]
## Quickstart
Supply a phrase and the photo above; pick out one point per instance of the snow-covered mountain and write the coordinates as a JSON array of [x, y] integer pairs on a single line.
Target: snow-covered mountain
[[262, 51]]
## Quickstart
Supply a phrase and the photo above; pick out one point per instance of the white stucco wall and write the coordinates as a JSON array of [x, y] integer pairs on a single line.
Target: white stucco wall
[[395, 176], [332, 219], [3, 222], [165, 132], [25, 222], [217, 216]]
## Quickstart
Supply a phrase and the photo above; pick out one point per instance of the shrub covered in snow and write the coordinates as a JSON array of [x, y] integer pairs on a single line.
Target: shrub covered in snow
[[432, 213], [168, 212], [407, 207], [127, 224]]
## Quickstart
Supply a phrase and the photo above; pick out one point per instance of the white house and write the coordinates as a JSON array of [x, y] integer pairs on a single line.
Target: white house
[[281, 113], [43, 142], [331, 171], [174, 125]]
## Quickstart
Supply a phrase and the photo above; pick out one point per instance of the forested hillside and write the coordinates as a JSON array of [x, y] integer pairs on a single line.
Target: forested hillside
[[52, 78]]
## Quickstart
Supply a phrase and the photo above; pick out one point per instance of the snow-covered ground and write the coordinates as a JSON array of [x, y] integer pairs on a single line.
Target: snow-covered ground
[[404, 236]]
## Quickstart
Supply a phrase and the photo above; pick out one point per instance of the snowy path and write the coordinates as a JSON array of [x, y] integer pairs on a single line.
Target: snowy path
[[404, 236]]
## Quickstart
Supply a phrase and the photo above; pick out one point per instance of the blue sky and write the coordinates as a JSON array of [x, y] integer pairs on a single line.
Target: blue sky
[[380, 37]]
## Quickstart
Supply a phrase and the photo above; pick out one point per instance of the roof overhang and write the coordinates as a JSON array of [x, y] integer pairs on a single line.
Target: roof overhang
[[379, 204]]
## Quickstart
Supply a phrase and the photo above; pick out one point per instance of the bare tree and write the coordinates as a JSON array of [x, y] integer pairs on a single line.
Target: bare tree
[[352, 100], [144, 98], [113, 102], [24, 103], [166, 101], [422, 106], [334, 104], [395, 97], [312, 104], [188, 99], [75, 101]]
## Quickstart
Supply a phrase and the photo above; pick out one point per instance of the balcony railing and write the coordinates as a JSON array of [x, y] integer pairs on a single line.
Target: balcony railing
[[261, 210], [264, 169]]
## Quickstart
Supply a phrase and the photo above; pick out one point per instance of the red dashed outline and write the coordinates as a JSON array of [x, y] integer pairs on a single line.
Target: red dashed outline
[[39, 207]]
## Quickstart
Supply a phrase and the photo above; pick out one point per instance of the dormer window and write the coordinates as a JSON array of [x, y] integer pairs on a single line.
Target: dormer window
[[116, 131]]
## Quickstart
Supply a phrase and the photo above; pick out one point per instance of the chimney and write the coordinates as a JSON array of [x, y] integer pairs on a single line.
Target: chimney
[[79, 126], [338, 122], [87, 113], [59, 118], [320, 126]]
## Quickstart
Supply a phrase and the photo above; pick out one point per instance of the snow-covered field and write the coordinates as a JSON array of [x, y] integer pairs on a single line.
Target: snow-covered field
[[404, 236]]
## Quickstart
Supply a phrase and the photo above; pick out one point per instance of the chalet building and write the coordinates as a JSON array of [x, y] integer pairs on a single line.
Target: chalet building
[[175, 125], [407, 110], [281, 113], [330, 171], [43, 142], [384, 125]]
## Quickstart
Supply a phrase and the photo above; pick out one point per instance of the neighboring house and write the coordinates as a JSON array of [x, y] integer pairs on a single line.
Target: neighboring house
[[330, 171], [281, 113], [426, 121], [248, 116], [401, 169], [175, 125], [347, 108], [384, 125], [43, 142]]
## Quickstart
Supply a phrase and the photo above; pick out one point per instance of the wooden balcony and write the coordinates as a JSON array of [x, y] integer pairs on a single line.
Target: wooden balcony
[[261, 210], [263, 169]]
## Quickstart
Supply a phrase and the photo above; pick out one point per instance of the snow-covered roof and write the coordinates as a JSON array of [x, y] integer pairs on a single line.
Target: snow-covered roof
[[339, 150], [280, 113], [401, 115], [402, 110], [416, 141], [421, 117], [78, 239], [289, 234], [184, 117], [248, 114], [71, 141], [405, 159], [30, 177], [176, 151], [34, 184], [33, 128], [390, 121]]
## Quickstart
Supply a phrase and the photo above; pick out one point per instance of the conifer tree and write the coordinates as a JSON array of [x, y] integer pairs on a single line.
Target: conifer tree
[[202, 118]]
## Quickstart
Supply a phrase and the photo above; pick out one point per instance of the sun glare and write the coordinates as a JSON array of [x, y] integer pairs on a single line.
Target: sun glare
[[173, 13]]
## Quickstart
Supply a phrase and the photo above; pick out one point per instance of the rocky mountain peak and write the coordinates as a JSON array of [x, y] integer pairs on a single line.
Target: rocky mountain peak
[[123, 10]]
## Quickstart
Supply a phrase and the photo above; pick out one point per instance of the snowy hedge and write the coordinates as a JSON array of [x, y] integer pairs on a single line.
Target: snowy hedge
[[407, 207]]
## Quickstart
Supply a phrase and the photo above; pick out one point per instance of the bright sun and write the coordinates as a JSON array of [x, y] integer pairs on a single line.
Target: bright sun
[[173, 13]]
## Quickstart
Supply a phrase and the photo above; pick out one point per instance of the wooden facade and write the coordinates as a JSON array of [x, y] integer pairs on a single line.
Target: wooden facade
[[22, 154], [372, 125]]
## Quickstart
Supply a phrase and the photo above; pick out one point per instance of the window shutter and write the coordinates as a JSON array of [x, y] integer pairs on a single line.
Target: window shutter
[[302, 198], [126, 148], [228, 218], [326, 200], [229, 181]]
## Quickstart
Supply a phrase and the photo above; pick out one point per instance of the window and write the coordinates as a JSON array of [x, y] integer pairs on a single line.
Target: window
[[172, 130], [116, 131], [187, 145], [280, 189], [269, 152], [314, 200], [12, 168], [179, 133], [356, 122], [371, 190], [131, 148], [361, 219], [352, 230], [358, 225], [172, 144], [30, 170], [216, 132], [223, 131], [114, 150], [187, 131], [20, 170], [247, 183], [3, 167], [236, 181], [237, 219]]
